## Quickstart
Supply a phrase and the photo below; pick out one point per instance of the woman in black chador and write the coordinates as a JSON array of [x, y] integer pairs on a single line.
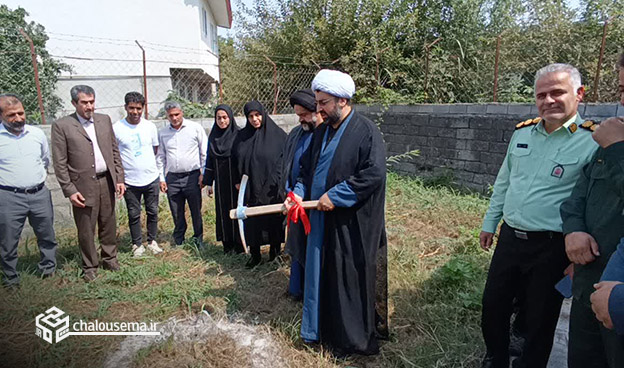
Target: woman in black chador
[[256, 151], [219, 168]]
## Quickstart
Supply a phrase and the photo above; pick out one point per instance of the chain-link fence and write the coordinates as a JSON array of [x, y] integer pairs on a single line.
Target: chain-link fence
[[112, 67], [268, 79], [494, 69], [497, 68], [29, 71]]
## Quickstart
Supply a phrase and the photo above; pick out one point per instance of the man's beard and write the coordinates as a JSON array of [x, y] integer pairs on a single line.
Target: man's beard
[[334, 117], [15, 127], [307, 127]]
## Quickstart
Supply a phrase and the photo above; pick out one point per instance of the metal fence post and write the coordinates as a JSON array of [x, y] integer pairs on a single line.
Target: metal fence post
[[220, 82], [33, 56], [275, 90], [427, 48], [144, 77], [377, 65], [498, 43], [600, 59]]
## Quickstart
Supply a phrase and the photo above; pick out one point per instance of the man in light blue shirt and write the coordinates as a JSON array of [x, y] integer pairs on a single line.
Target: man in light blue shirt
[[182, 147], [543, 162], [24, 159]]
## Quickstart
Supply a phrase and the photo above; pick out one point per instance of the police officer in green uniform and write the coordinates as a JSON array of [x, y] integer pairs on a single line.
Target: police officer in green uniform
[[593, 223], [543, 162]]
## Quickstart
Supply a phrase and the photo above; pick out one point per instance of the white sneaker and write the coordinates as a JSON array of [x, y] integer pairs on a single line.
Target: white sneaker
[[153, 246], [137, 251]]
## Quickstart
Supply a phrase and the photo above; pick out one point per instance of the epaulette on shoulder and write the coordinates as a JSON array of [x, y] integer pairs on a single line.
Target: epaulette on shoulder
[[589, 125], [527, 123]]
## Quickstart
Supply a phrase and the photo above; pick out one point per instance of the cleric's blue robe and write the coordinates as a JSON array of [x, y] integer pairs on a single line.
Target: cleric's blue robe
[[346, 287], [344, 197]]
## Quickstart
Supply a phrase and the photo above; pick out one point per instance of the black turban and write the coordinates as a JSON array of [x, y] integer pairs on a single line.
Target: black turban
[[304, 98]]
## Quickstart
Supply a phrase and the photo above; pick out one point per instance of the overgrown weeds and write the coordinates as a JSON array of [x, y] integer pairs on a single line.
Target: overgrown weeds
[[436, 275]]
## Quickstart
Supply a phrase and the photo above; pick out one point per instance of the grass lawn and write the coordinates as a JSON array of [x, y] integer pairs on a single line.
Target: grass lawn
[[436, 274]]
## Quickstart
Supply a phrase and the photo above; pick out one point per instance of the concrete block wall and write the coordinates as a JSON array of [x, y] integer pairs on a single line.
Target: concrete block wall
[[467, 140]]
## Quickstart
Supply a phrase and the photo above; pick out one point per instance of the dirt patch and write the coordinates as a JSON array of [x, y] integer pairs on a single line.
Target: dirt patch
[[217, 343], [218, 352]]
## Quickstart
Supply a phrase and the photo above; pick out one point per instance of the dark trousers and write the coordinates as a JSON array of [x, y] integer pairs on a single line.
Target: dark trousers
[[16, 208], [528, 269], [133, 203], [102, 214], [183, 188], [296, 283], [590, 344], [274, 241]]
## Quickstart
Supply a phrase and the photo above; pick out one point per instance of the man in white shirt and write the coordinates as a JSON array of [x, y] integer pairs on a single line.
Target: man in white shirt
[[138, 143], [181, 155], [23, 193]]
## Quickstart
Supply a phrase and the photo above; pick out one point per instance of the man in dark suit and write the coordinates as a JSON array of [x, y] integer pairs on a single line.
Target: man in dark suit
[[88, 168]]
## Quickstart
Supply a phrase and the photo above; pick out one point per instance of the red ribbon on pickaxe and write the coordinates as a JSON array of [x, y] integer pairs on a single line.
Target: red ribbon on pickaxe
[[296, 213]]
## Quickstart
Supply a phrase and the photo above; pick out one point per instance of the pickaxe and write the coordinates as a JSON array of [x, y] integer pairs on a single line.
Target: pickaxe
[[241, 212]]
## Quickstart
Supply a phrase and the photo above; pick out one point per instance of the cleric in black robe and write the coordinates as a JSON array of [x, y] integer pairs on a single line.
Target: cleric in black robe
[[257, 151], [297, 143], [219, 169], [345, 272]]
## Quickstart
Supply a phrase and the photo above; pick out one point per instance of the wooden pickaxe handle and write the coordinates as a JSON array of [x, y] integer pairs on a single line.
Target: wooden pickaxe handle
[[269, 209]]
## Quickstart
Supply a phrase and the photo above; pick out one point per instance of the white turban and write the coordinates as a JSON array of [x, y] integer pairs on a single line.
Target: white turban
[[334, 83]]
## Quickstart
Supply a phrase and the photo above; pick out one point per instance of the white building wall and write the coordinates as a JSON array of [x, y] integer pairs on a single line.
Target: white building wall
[[110, 92], [97, 39]]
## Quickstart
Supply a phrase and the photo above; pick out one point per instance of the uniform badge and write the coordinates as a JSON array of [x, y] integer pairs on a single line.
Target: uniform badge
[[557, 171], [589, 125]]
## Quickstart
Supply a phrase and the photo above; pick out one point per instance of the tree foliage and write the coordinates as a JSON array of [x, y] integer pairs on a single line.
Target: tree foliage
[[16, 64], [443, 51]]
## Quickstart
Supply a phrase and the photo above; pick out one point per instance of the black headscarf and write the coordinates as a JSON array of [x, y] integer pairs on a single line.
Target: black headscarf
[[220, 140], [257, 154]]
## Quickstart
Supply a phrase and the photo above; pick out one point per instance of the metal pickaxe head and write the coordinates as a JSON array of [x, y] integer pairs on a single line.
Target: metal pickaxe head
[[240, 210]]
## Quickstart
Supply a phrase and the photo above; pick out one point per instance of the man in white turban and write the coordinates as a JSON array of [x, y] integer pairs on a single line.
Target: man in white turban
[[335, 83], [345, 169]]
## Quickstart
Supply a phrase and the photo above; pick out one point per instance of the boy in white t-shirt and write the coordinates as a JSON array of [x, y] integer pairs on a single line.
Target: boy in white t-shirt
[[138, 143]]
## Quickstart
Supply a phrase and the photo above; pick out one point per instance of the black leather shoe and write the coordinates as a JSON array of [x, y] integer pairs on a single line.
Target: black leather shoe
[[253, 262], [488, 362], [274, 252], [111, 267], [295, 298], [89, 276]]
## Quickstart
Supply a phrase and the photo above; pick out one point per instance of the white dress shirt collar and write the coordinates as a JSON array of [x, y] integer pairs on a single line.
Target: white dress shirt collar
[[181, 125], [84, 121]]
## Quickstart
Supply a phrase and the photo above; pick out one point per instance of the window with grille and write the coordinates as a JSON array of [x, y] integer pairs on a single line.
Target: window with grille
[[215, 43], [205, 22]]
